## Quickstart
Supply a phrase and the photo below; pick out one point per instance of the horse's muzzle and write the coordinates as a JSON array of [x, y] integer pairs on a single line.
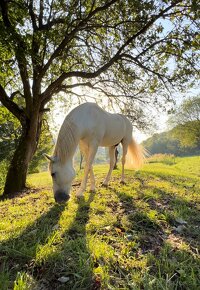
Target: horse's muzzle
[[61, 196]]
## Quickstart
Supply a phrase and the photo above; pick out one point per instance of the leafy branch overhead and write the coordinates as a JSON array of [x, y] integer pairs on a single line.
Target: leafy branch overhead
[[125, 46], [141, 50]]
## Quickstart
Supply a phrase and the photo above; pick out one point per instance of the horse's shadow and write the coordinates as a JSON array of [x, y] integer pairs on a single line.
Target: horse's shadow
[[73, 259], [75, 248]]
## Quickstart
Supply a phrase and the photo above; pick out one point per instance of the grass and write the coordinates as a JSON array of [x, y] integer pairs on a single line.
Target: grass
[[168, 159], [141, 235]]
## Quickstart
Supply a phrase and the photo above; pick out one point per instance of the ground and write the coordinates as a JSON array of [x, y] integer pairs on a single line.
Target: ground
[[141, 235]]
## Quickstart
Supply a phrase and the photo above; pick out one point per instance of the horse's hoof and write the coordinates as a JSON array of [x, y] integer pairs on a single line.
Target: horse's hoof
[[80, 198], [79, 193], [104, 185], [92, 191], [122, 182]]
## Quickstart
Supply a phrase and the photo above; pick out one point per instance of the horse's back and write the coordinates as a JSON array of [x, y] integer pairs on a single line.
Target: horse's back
[[95, 123]]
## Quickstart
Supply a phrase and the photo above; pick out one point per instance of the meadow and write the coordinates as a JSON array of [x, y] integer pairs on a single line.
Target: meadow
[[141, 235]]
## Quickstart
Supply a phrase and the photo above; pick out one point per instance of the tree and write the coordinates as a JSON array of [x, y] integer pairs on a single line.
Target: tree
[[10, 131], [45, 145], [187, 123], [165, 143], [117, 47]]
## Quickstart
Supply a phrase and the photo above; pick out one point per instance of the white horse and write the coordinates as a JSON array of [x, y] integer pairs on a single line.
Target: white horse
[[90, 126]]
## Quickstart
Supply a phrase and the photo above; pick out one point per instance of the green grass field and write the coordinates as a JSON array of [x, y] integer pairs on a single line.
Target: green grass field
[[142, 235]]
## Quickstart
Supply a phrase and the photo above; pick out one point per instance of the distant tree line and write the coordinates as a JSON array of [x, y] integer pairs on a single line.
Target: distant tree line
[[166, 143], [184, 138]]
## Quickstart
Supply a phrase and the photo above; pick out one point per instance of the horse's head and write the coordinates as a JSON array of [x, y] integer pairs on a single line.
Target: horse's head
[[62, 176]]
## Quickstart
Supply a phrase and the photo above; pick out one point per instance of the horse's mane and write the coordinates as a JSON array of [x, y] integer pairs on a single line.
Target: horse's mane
[[66, 142]]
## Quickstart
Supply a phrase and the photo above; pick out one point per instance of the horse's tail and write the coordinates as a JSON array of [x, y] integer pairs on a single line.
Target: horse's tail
[[135, 157]]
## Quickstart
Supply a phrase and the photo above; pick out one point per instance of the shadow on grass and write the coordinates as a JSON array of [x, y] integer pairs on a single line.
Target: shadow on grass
[[178, 180], [148, 231], [177, 207], [16, 254], [24, 192], [81, 266], [181, 215], [156, 226], [73, 259]]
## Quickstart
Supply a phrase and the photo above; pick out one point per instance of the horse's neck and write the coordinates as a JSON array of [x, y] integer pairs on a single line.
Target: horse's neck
[[67, 142], [69, 162]]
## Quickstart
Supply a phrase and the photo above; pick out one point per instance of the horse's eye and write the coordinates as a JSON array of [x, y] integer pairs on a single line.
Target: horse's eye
[[53, 174]]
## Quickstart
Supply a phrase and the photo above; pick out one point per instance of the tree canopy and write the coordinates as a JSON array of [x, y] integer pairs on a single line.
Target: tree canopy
[[141, 50], [186, 119], [124, 48]]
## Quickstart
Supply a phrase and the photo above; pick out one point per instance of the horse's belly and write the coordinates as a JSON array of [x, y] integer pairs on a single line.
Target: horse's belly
[[110, 141], [114, 133]]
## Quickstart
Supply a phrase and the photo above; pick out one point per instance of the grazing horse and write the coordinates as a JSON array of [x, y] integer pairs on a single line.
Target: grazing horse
[[90, 126]]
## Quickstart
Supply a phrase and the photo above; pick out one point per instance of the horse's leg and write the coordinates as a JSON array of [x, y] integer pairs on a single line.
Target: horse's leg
[[84, 149], [112, 163], [124, 152], [92, 180], [88, 168]]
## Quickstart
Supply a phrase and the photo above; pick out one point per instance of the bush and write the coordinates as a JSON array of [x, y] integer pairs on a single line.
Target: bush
[[168, 159]]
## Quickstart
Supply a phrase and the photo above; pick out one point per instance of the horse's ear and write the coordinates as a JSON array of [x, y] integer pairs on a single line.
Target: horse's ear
[[51, 158]]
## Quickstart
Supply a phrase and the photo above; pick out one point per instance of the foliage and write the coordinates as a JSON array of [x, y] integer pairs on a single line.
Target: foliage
[[165, 143], [118, 48], [10, 131], [187, 123], [122, 237], [3, 171], [124, 48]]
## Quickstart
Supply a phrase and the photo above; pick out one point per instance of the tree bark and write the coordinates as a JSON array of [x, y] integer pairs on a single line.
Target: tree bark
[[17, 173]]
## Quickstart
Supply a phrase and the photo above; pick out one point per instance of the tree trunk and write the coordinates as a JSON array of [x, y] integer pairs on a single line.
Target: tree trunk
[[16, 176]]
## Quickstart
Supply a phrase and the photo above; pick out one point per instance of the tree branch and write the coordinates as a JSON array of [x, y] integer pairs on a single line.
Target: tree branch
[[33, 17], [14, 94], [11, 106], [19, 48], [136, 61], [70, 35], [41, 13], [46, 95]]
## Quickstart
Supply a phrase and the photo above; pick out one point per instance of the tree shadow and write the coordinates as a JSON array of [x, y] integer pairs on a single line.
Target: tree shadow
[[172, 205], [16, 254], [73, 261], [148, 231], [24, 192], [178, 180], [184, 224], [154, 226]]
